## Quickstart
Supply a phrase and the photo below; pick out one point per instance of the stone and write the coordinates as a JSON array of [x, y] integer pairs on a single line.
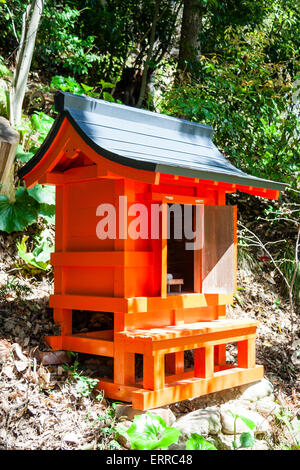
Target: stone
[[127, 411], [121, 435], [206, 421], [257, 390], [179, 446], [52, 357], [260, 445], [227, 420], [223, 441], [267, 405]]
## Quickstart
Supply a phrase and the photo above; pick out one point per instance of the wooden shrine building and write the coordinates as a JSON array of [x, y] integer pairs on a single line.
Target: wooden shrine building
[[120, 173]]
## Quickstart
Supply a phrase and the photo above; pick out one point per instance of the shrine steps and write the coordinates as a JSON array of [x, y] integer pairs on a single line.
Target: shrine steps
[[182, 389], [165, 379]]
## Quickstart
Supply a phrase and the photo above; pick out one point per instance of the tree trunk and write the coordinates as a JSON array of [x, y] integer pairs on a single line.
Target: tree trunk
[[30, 24], [8, 148], [189, 47], [149, 55], [9, 139]]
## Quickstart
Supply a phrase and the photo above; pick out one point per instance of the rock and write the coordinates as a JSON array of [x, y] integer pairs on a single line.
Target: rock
[[257, 390], [178, 446], [227, 420], [260, 445], [52, 357], [223, 442], [121, 435], [205, 422], [129, 412], [267, 406]]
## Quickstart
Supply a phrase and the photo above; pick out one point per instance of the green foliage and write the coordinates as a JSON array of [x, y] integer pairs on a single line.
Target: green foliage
[[248, 100], [43, 194], [17, 215], [13, 286], [83, 385], [285, 417], [60, 44], [39, 257], [246, 438], [22, 156], [41, 123], [71, 85], [4, 70], [68, 84], [149, 432], [33, 131], [197, 442]]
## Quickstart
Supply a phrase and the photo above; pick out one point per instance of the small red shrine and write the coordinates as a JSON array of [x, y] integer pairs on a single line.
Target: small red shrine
[[143, 232]]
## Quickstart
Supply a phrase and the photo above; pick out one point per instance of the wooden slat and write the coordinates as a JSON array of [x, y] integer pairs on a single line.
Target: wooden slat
[[93, 303], [190, 329], [175, 198], [189, 388], [104, 334], [88, 345], [218, 262], [137, 304], [102, 258]]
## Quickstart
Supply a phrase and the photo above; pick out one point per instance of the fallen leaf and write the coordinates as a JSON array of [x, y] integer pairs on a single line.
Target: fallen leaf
[[4, 350], [18, 352], [21, 365], [8, 371]]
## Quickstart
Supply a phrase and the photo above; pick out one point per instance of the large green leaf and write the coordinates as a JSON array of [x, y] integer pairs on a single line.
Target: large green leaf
[[43, 194], [24, 157], [42, 123], [197, 442], [251, 425], [17, 215], [247, 440], [40, 255], [47, 212], [150, 432]]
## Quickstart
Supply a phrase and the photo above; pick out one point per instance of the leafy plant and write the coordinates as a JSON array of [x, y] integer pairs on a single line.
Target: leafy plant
[[197, 442], [39, 257], [23, 156], [13, 286], [246, 438], [17, 215], [4, 70], [149, 432], [41, 123], [71, 85], [60, 45], [292, 424], [83, 385]]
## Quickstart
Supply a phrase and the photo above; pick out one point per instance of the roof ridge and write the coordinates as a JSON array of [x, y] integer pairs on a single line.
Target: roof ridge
[[64, 100]]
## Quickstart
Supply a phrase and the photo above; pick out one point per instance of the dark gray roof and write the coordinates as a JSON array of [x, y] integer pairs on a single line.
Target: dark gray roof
[[148, 141]]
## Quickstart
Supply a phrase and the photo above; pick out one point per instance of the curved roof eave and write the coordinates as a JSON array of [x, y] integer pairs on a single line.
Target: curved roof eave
[[87, 114]]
